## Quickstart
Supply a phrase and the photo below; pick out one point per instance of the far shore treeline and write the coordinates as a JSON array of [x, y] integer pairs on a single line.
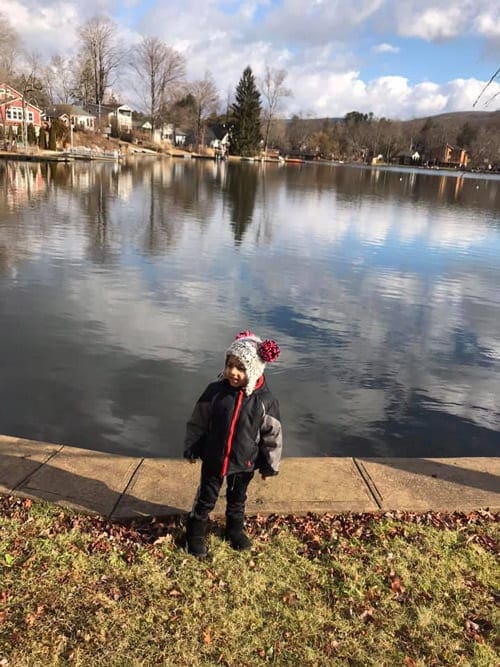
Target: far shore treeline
[[151, 78]]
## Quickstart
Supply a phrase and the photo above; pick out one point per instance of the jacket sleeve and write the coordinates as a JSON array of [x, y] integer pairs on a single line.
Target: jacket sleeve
[[271, 440], [197, 427]]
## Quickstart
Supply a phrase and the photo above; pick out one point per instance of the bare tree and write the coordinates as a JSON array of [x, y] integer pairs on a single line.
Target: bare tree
[[10, 48], [83, 83], [273, 91], [206, 102], [100, 52], [157, 67], [59, 80], [28, 82]]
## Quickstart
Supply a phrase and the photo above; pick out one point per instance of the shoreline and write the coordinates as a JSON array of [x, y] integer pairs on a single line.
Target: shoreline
[[125, 487], [67, 157]]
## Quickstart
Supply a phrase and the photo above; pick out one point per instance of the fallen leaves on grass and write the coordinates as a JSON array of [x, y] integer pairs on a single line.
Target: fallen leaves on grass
[[320, 534], [33, 617], [324, 534], [356, 567]]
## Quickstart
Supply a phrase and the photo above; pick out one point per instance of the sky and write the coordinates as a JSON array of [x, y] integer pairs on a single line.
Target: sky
[[396, 58]]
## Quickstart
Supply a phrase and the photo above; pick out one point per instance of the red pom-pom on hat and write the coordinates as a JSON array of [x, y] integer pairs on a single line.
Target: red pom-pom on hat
[[268, 350]]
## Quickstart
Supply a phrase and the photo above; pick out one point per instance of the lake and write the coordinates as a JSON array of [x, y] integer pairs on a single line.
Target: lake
[[121, 286]]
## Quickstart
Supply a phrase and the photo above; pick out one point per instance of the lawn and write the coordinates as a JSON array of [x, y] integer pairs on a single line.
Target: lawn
[[350, 589]]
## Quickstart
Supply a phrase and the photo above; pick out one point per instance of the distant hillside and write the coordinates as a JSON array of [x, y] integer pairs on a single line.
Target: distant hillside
[[479, 118], [456, 117]]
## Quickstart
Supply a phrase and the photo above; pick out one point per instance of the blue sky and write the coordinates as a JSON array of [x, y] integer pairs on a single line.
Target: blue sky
[[396, 58]]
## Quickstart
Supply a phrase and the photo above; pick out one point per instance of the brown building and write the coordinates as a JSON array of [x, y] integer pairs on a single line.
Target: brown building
[[449, 156]]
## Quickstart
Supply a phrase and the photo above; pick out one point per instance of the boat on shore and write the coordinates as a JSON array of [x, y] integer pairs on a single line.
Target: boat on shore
[[202, 156]]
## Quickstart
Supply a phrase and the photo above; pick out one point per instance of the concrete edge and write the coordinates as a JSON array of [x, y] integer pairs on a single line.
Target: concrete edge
[[137, 487]]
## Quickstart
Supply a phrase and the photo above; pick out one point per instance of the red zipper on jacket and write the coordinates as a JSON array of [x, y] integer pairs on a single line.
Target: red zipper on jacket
[[236, 413]]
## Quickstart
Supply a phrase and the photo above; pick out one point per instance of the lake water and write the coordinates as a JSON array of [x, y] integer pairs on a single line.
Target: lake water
[[122, 285]]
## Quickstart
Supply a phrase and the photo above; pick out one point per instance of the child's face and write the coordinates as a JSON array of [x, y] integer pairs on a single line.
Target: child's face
[[234, 372]]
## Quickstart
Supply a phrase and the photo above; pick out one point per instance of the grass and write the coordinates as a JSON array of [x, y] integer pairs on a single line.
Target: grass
[[386, 589]]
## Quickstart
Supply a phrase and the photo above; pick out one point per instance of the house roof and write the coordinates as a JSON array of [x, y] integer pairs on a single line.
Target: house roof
[[71, 109], [17, 96], [53, 112], [14, 92], [105, 108], [219, 130]]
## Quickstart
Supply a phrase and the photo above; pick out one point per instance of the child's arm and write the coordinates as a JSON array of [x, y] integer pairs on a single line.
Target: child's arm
[[197, 427], [271, 441]]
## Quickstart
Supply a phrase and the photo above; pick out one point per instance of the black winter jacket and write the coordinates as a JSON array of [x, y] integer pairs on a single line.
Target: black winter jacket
[[232, 432]]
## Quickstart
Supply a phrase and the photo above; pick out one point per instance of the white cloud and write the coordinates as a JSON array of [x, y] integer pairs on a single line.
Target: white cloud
[[488, 24], [435, 24], [385, 48], [462, 93], [313, 23], [446, 19], [46, 28], [335, 94]]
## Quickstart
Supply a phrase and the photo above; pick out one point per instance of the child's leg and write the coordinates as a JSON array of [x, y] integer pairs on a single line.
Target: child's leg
[[207, 494], [236, 493], [236, 496], [206, 497]]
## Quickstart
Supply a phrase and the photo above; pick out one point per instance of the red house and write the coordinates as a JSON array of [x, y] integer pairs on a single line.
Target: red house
[[11, 111]]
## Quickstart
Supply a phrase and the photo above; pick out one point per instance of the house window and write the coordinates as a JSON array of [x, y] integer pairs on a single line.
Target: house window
[[14, 113], [31, 117]]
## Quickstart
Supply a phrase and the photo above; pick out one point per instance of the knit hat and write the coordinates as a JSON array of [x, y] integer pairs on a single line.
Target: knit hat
[[253, 353]]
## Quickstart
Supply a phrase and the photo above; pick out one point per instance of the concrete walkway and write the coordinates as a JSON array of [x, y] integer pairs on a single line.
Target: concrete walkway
[[123, 487]]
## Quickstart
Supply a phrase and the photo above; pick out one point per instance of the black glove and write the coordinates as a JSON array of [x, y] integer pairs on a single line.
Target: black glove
[[192, 453], [266, 470]]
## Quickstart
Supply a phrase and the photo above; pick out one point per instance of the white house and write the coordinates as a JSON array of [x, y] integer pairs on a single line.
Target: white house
[[119, 115], [68, 113]]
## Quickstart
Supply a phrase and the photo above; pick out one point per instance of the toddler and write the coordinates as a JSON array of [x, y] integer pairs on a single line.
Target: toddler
[[235, 429]]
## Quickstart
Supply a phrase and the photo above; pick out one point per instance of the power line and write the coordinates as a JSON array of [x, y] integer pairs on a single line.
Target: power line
[[485, 87]]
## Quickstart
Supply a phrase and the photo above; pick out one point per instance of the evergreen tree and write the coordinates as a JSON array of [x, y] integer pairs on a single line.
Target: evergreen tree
[[245, 137], [42, 139], [52, 137], [31, 136]]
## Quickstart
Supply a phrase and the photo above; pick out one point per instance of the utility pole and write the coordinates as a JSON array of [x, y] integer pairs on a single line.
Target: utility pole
[[25, 126]]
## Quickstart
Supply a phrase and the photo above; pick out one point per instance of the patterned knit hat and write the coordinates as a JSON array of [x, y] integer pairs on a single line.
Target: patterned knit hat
[[253, 353]]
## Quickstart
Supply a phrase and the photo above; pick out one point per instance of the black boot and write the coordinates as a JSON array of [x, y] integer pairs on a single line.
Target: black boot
[[236, 535], [195, 536]]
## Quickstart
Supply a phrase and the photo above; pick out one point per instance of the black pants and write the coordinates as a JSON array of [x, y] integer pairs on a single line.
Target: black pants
[[209, 489]]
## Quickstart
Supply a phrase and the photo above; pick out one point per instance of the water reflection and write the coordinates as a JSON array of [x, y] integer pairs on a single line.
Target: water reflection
[[120, 285], [240, 187]]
